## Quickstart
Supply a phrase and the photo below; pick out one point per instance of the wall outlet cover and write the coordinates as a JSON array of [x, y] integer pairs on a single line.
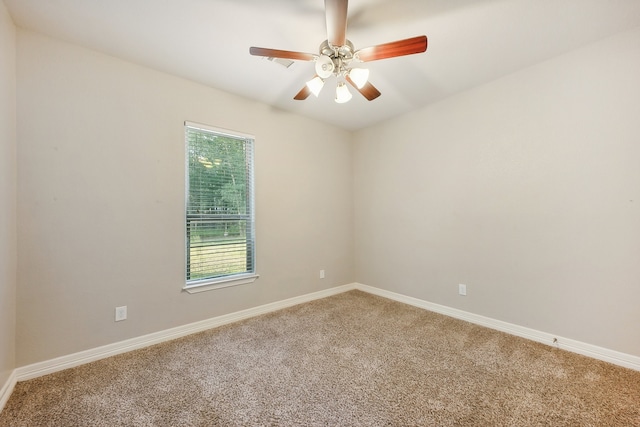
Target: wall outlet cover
[[121, 313]]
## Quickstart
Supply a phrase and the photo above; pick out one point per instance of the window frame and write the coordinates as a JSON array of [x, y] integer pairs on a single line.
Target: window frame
[[205, 284]]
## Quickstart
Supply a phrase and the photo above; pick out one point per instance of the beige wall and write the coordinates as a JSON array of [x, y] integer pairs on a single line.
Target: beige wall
[[8, 245], [101, 184], [526, 189]]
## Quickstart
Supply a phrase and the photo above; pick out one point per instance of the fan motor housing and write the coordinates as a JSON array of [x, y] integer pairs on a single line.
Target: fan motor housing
[[333, 59], [343, 52]]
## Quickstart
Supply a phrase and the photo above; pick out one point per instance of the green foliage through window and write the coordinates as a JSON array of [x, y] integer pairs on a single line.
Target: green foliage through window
[[219, 217]]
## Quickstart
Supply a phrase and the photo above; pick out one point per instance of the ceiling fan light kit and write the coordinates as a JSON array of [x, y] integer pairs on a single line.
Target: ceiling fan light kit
[[342, 93], [325, 66], [315, 85], [337, 54], [360, 76]]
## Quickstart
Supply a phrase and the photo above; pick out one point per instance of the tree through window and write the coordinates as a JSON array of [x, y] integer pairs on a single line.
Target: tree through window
[[219, 214]]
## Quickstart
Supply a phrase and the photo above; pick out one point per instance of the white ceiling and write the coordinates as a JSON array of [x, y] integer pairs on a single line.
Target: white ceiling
[[470, 42]]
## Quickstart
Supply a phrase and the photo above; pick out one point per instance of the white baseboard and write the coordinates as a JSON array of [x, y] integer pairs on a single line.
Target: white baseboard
[[600, 353], [7, 389], [60, 363], [64, 362]]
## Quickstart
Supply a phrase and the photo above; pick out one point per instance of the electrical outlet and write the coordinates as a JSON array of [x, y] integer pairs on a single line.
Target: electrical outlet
[[322, 274], [121, 313], [462, 289]]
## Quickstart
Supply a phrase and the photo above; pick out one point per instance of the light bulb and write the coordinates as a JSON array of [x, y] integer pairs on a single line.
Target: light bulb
[[315, 85], [359, 76], [342, 93]]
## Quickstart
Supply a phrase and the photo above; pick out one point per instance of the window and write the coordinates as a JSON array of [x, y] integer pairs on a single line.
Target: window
[[219, 208]]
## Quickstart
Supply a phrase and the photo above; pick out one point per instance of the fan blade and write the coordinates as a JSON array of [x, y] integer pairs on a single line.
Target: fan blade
[[303, 94], [336, 15], [285, 54], [393, 49], [369, 91]]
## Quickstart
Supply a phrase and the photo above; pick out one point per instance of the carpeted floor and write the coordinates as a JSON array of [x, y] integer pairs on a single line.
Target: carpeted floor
[[349, 360]]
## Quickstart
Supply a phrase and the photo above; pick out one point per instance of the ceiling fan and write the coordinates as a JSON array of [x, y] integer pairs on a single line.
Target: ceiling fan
[[338, 57]]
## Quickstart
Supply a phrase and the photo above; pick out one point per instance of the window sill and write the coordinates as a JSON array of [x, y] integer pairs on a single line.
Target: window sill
[[209, 285]]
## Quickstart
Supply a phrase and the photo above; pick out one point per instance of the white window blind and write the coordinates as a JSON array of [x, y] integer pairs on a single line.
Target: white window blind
[[219, 207]]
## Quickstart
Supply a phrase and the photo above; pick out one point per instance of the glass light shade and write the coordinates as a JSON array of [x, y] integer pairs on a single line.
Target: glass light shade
[[324, 66], [359, 76], [315, 85], [342, 93]]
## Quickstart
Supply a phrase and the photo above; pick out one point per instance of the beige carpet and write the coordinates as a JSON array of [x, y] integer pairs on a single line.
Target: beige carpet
[[349, 360]]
